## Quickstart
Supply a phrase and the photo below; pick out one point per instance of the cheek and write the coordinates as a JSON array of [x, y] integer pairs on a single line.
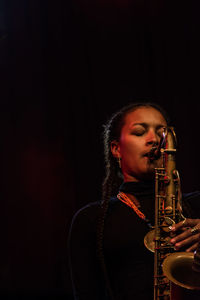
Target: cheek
[[129, 149]]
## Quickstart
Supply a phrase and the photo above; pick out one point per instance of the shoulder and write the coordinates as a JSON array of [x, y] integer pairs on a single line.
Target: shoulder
[[193, 197], [86, 216], [193, 201], [88, 211]]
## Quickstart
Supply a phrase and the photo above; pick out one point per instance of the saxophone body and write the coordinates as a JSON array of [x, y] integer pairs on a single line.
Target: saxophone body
[[167, 211], [171, 269]]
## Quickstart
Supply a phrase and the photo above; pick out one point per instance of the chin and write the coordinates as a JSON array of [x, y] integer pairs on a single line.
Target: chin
[[148, 174]]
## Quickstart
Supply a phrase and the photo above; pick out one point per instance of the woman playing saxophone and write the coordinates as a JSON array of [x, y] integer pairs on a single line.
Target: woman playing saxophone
[[108, 258]]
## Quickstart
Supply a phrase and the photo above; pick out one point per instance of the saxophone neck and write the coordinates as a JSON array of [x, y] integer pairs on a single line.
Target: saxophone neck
[[156, 150]]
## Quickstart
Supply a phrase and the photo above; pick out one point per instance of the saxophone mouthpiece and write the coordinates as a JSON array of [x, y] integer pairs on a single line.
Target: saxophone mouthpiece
[[154, 153]]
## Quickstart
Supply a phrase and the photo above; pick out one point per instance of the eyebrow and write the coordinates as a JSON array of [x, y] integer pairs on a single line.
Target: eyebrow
[[147, 125]]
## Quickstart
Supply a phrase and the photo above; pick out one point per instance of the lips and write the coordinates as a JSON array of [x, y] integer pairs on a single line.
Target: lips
[[146, 154], [152, 155]]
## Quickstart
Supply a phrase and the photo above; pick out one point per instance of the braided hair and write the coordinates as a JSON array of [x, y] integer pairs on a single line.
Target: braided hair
[[113, 176]]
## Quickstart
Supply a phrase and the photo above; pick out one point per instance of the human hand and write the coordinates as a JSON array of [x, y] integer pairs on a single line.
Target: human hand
[[190, 235]]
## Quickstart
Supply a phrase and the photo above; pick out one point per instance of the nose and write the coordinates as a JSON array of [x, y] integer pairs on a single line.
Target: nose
[[152, 138]]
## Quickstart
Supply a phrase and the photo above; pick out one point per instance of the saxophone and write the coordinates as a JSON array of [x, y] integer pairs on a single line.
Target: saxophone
[[171, 269]]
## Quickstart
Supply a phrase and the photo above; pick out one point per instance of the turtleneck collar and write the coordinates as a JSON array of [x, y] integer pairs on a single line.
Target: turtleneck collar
[[142, 188]]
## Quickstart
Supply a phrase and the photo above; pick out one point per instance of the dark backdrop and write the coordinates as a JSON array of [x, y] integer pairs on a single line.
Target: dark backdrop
[[65, 66]]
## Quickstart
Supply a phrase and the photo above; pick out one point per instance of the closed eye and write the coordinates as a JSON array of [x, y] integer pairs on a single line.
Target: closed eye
[[139, 131]]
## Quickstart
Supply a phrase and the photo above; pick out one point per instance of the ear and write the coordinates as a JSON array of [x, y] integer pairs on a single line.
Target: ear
[[115, 149]]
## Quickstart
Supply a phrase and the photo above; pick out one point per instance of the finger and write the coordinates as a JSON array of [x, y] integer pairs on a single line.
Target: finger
[[192, 248], [185, 223], [184, 235], [187, 242]]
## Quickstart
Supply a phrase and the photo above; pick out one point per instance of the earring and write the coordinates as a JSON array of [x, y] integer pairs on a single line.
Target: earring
[[119, 162]]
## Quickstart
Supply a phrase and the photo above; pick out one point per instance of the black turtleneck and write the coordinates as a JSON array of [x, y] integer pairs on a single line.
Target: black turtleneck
[[129, 264], [138, 189], [145, 193]]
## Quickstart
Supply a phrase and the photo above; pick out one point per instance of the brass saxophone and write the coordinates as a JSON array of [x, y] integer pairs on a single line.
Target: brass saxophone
[[171, 269]]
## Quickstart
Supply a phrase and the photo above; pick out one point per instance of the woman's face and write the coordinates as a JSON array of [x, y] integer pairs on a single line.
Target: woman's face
[[142, 129]]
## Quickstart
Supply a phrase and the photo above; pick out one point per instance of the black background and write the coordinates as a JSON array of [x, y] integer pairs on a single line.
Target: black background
[[65, 67]]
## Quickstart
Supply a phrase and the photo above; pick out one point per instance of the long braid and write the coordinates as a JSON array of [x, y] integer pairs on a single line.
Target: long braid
[[109, 188], [113, 178], [100, 233]]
